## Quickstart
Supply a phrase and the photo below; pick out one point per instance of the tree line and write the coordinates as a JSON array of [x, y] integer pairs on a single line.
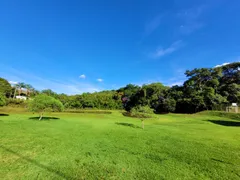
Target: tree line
[[204, 89]]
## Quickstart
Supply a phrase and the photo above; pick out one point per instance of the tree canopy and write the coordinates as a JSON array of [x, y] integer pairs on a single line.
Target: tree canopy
[[5, 87], [2, 100], [44, 103]]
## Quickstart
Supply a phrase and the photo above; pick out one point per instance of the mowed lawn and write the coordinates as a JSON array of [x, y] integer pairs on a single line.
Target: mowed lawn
[[111, 146]]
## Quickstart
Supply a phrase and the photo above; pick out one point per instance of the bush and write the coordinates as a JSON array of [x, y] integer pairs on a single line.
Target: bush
[[16, 103]]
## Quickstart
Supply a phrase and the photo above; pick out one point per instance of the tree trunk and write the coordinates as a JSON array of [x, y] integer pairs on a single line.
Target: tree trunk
[[19, 91], [142, 124], [41, 116], [14, 96]]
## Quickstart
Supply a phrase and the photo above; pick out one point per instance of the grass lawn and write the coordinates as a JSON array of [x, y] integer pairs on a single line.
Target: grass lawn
[[111, 146]]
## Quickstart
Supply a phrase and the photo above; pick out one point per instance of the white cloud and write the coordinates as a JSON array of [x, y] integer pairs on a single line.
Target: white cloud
[[13, 82], [220, 65], [178, 83], [83, 76], [172, 48], [100, 80]]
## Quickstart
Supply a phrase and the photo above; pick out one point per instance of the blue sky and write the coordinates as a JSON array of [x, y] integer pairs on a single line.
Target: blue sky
[[85, 46]]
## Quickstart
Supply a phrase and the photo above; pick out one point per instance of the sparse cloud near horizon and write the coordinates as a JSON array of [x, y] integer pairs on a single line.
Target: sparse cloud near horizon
[[220, 65], [60, 86], [160, 52], [13, 82], [83, 76], [100, 80]]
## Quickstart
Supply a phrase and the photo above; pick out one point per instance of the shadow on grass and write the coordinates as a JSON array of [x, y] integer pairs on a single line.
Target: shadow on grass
[[44, 118], [225, 123], [129, 125], [4, 114], [49, 169], [221, 161]]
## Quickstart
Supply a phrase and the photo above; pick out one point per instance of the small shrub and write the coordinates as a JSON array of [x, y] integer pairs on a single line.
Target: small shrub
[[16, 103]]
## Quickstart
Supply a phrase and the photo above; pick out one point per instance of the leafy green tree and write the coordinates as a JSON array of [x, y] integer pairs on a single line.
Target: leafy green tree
[[2, 100], [5, 87], [44, 103], [137, 111], [166, 105], [49, 92]]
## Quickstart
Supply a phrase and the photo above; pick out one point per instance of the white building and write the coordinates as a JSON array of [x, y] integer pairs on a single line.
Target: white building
[[21, 97]]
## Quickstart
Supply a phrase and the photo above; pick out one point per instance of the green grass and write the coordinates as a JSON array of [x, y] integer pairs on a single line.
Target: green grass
[[112, 146]]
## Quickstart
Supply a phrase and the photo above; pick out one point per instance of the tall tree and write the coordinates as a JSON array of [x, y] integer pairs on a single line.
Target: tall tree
[[5, 87], [29, 89]]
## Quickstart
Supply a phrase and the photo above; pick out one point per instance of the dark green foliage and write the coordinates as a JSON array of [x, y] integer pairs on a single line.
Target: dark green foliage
[[166, 105], [205, 89]]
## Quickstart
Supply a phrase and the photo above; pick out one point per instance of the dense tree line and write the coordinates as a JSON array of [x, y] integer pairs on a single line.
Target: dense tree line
[[204, 89]]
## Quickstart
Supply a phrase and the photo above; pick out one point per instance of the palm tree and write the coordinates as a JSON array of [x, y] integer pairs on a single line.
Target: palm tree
[[21, 85], [29, 89], [16, 87]]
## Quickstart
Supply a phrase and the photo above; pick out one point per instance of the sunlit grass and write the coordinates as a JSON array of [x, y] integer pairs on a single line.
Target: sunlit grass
[[111, 146]]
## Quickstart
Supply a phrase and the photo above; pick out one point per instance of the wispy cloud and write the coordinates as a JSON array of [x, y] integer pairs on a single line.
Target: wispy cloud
[[100, 80], [190, 19], [83, 76], [60, 86], [160, 52], [151, 26]]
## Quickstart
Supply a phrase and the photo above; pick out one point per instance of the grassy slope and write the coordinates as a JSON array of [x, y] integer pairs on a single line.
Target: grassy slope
[[91, 146]]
